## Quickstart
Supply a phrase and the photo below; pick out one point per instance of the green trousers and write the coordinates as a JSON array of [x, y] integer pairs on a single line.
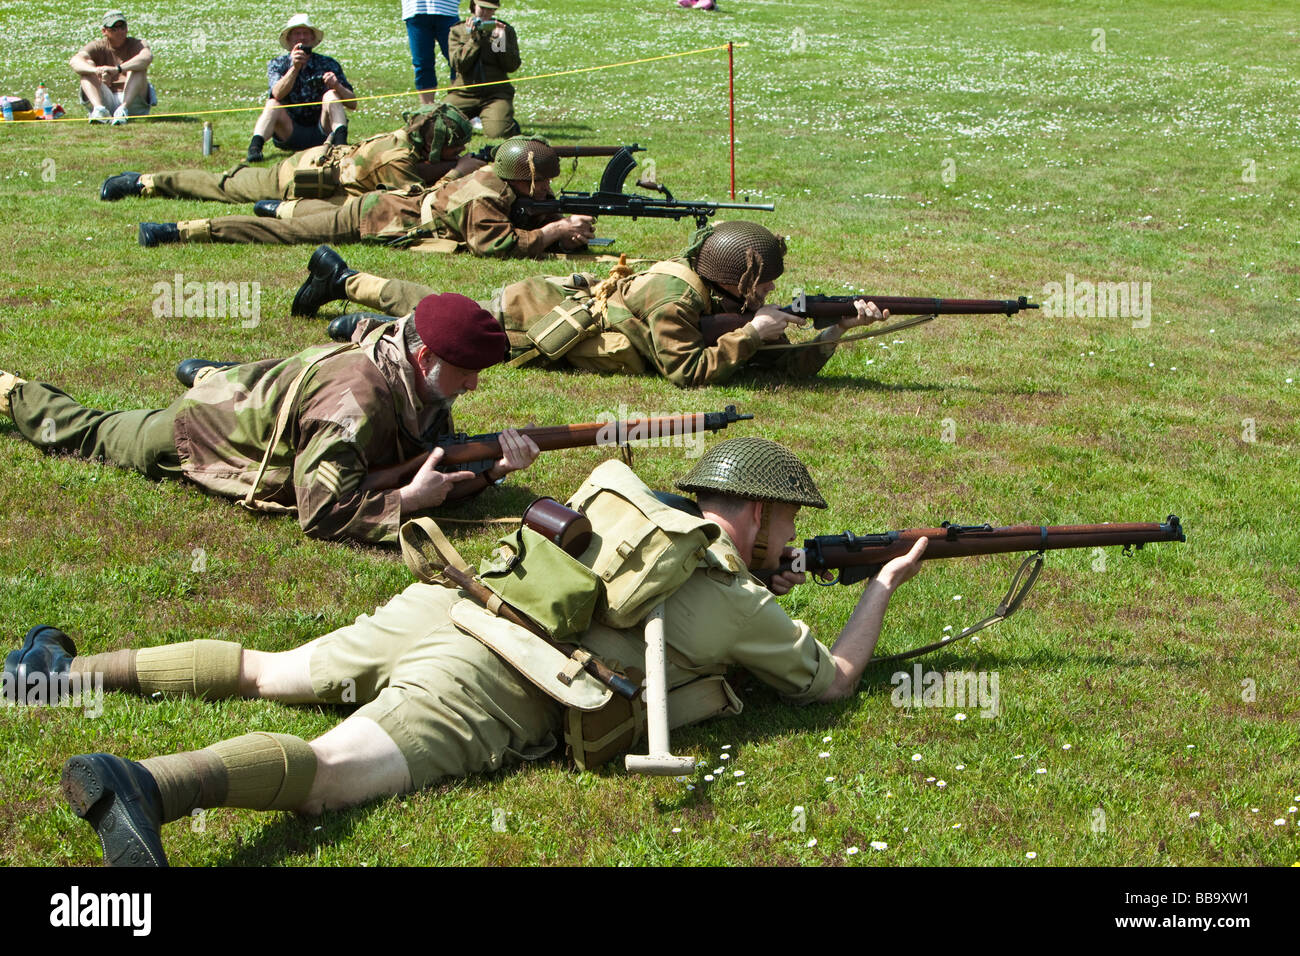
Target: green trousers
[[496, 112], [247, 184], [140, 439], [337, 224]]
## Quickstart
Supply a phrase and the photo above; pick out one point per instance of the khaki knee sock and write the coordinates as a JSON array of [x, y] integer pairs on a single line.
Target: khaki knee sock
[[365, 289], [285, 209], [203, 668], [146, 185], [256, 771]]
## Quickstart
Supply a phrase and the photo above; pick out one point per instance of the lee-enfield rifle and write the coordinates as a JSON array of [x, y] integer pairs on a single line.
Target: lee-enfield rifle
[[859, 557], [826, 310], [462, 449], [609, 199]]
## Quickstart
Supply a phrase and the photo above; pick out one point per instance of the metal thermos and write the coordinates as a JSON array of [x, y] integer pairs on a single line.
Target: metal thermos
[[207, 139]]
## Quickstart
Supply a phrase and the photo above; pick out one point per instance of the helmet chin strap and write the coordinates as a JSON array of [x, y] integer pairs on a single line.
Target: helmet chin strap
[[758, 553]]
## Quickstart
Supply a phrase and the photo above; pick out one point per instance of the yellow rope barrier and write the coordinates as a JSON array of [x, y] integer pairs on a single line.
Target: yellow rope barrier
[[387, 96]]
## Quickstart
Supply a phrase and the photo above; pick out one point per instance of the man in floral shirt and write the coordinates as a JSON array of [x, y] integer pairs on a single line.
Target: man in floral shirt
[[303, 76]]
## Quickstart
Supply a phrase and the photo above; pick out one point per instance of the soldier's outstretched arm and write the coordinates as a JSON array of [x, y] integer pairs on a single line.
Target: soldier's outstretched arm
[[857, 641]]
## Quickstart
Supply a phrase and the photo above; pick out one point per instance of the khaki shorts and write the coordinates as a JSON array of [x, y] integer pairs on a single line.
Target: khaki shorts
[[452, 706]]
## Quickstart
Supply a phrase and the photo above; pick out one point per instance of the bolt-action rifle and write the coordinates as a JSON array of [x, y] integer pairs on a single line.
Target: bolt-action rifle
[[461, 449], [609, 199], [826, 310], [859, 557]]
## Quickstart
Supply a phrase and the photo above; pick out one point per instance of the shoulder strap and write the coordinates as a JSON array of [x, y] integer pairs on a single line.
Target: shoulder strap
[[287, 407], [679, 271]]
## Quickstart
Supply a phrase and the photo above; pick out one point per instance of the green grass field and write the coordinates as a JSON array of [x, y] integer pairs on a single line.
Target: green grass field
[[1148, 703]]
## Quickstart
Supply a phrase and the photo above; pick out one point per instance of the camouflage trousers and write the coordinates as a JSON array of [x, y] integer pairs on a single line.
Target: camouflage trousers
[[246, 184], [496, 112], [320, 222], [142, 439]]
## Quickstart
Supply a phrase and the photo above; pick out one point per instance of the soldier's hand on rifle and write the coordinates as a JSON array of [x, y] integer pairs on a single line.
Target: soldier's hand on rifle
[[867, 313], [519, 451], [783, 581], [904, 567], [770, 322], [430, 487]]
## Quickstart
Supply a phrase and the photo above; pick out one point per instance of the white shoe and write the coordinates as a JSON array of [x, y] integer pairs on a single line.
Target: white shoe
[[119, 116], [99, 115]]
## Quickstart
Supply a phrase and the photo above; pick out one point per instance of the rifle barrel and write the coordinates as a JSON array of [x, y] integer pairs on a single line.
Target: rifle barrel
[[832, 552], [464, 449]]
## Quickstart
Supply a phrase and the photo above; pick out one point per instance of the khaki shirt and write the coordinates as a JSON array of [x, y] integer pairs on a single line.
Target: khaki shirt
[[721, 617]]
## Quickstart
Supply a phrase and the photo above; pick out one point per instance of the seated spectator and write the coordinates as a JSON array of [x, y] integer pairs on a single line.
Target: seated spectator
[[303, 76], [113, 73]]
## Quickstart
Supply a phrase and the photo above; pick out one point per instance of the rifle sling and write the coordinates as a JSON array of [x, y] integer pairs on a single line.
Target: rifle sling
[[1009, 604], [845, 339]]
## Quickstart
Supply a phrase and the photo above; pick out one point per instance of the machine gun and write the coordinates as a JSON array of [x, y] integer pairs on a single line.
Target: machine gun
[[609, 199]]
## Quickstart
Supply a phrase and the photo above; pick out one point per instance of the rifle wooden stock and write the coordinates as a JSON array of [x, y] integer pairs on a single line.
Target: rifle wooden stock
[[827, 310], [466, 449], [858, 557]]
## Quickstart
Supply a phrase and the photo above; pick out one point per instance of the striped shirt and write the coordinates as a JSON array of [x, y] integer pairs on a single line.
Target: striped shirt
[[442, 8]]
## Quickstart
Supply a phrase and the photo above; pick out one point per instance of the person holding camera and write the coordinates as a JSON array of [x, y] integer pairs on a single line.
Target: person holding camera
[[484, 49], [306, 77]]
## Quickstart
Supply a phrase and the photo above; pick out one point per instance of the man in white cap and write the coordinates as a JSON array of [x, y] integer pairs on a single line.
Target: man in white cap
[[303, 76], [113, 71]]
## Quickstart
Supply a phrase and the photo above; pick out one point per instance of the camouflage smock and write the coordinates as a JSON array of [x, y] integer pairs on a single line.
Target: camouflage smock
[[473, 211], [357, 411], [660, 316]]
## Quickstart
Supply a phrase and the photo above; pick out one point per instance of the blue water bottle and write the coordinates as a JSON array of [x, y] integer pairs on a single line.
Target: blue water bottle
[[8, 110], [49, 106]]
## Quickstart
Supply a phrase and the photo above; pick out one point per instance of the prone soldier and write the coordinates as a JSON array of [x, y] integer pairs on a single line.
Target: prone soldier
[[475, 213], [299, 435], [634, 322], [422, 152], [437, 702]]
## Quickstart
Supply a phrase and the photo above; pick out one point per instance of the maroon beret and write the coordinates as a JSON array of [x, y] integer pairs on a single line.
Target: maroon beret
[[460, 331]]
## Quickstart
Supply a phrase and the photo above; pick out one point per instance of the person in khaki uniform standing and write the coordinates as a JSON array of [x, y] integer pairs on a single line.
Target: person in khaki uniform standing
[[427, 146], [649, 320], [483, 48], [435, 701], [475, 212], [299, 435]]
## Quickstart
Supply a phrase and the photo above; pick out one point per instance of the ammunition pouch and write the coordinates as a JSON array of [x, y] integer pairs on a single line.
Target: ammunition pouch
[[319, 180]]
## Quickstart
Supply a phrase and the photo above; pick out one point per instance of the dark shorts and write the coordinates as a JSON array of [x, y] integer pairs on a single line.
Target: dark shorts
[[304, 136]]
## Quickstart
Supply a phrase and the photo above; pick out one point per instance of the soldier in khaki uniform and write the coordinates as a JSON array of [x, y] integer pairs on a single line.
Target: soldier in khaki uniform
[[356, 410], [435, 701], [420, 153], [649, 321], [483, 48], [474, 213]]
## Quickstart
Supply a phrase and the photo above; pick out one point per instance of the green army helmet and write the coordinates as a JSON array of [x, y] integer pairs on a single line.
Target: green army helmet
[[755, 469], [434, 127], [526, 158], [739, 253]]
